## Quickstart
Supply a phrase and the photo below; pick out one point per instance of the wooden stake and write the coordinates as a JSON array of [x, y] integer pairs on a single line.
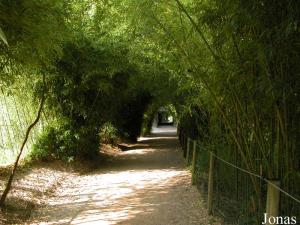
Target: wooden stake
[[188, 146], [210, 184], [194, 162], [273, 199], [184, 146]]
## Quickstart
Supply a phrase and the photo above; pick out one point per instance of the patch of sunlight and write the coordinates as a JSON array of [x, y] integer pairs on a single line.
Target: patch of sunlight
[[142, 151], [111, 198], [120, 196], [105, 218], [156, 138], [164, 129]]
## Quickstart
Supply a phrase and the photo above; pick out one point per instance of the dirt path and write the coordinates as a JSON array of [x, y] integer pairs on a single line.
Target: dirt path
[[145, 185]]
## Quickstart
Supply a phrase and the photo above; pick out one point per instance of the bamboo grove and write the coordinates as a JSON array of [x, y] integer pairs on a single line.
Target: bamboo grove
[[230, 69]]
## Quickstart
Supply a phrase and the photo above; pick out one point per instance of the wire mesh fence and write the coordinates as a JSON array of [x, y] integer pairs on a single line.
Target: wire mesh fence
[[16, 114]]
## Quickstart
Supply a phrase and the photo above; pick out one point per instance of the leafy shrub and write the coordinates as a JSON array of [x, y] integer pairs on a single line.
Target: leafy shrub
[[108, 134], [65, 142]]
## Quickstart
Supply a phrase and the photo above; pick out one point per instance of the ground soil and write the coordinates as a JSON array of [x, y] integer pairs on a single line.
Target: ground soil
[[145, 184]]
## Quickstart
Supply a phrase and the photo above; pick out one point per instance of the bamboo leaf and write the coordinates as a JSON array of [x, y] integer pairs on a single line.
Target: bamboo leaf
[[3, 37]]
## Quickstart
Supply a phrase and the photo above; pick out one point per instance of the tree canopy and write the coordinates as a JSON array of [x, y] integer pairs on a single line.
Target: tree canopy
[[230, 68]]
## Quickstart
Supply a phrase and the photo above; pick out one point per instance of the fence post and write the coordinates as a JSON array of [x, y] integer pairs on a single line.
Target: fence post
[[210, 183], [194, 161], [180, 136], [188, 146], [273, 198], [183, 145]]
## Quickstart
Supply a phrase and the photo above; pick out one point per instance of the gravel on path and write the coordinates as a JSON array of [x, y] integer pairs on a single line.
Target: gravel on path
[[147, 184]]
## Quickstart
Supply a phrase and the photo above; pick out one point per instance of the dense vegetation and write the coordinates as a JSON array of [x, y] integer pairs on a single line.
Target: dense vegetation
[[230, 68]]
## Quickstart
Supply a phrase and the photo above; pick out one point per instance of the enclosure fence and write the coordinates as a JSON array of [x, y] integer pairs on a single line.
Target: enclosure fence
[[230, 190], [16, 114]]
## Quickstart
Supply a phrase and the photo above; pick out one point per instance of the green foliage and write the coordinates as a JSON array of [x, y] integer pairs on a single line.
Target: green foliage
[[63, 141], [194, 122], [17, 111], [230, 69], [35, 31], [3, 37], [108, 134], [148, 119], [236, 72], [47, 146]]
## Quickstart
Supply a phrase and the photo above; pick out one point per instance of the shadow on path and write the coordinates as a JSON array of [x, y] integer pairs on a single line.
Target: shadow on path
[[147, 185]]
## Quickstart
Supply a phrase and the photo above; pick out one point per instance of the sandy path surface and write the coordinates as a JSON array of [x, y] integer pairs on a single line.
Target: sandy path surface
[[145, 185]]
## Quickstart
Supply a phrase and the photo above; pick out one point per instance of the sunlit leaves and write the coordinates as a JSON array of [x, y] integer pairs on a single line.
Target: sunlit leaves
[[3, 37]]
